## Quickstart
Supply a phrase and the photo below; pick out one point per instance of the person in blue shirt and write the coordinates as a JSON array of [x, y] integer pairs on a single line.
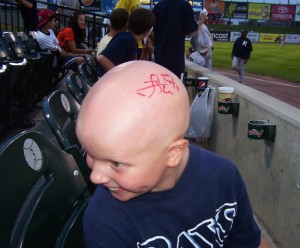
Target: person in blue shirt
[[174, 22], [123, 46], [154, 189]]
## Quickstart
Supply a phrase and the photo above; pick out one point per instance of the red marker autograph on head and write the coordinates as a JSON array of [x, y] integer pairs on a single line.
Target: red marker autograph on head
[[162, 83]]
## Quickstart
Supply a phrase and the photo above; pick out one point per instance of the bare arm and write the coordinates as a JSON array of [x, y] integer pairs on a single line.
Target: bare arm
[[105, 62], [25, 3], [147, 49], [76, 50], [200, 23]]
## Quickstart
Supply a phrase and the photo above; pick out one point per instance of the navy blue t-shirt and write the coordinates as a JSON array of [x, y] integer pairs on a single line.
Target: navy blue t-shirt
[[208, 207], [174, 21], [122, 48]]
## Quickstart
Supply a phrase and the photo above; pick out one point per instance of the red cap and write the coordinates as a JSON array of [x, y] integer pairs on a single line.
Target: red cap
[[44, 16]]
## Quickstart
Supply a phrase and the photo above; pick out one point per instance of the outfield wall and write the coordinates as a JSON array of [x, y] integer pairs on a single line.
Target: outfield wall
[[255, 37], [271, 170]]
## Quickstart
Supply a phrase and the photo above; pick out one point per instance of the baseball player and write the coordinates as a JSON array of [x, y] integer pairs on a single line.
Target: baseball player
[[240, 55]]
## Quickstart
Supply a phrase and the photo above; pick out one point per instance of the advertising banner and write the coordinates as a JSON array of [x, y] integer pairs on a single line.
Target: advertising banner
[[197, 4], [254, 37], [292, 38], [297, 13], [259, 11], [265, 37], [215, 6], [219, 36], [236, 10], [283, 12]]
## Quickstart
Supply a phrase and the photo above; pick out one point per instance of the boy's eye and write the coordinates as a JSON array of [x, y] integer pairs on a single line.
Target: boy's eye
[[117, 165]]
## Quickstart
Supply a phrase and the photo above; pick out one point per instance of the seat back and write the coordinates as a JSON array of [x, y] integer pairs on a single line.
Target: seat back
[[92, 60], [49, 74], [77, 85], [6, 53], [30, 43], [19, 90], [61, 110], [88, 72], [4, 99], [16, 44], [41, 189], [35, 79]]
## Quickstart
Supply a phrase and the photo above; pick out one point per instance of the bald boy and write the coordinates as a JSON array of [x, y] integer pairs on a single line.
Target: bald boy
[[156, 190]]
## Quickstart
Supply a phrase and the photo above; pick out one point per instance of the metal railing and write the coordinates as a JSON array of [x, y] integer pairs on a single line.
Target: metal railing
[[11, 20]]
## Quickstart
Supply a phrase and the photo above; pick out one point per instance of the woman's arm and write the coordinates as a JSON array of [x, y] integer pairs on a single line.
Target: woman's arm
[[76, 50]]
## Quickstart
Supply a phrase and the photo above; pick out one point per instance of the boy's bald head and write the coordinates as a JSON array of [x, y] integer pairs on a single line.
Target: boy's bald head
[[139, 102]]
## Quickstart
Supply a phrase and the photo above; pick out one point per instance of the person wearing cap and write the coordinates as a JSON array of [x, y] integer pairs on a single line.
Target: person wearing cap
[[240, 54], [194, 56], [47, 40]]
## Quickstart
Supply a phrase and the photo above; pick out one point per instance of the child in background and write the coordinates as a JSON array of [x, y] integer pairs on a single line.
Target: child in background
[[131, 5], [47, 40], [72, 38], [118, 22], [124, 45], [156, 190]]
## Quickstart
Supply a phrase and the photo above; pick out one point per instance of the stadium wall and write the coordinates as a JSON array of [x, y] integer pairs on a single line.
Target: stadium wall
[[270, 169]]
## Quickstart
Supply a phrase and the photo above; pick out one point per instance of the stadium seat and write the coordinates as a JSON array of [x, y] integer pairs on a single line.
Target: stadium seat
[[35, 67], [92, 61], [4, 100], [6, 53], [49, 76], [19, 84], [43, 194], [77, 85], [61, 110], [88, 72]]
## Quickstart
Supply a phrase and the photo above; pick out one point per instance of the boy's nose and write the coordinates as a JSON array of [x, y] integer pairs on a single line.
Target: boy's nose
[[99, 177]]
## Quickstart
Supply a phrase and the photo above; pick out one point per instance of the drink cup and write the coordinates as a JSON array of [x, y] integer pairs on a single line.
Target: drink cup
[[225, 94], [201, 84]]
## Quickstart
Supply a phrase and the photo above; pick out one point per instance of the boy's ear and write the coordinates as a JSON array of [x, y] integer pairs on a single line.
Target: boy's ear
[[176, 152]]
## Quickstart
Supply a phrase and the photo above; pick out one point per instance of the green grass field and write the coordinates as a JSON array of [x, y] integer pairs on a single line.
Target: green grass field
[[266, 59]]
